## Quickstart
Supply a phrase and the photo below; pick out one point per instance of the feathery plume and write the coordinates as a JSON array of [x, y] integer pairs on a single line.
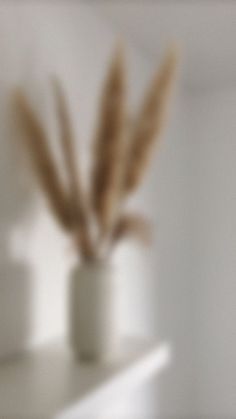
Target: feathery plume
[[150, 122], [109, 145], [36, 142], [77, 199], [132, 225]]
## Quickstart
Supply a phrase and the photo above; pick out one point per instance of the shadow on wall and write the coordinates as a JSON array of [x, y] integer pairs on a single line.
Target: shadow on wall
[[15, 281]]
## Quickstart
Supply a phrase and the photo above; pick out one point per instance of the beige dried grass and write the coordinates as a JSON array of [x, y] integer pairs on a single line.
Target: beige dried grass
[[44, 166], [117, 170], [110, 144], [132, 225], [78, 203], [150, 121]]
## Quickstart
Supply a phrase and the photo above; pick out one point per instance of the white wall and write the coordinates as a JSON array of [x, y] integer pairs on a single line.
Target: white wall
[[213, 116], [196, 268], [169, 192]]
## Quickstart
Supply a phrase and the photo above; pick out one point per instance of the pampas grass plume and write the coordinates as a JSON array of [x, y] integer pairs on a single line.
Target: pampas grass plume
[[134, 226], [77, 199], [109, 144], [42, 161], [150, 121]]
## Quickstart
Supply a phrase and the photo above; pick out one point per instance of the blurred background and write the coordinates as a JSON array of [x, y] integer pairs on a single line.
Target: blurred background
[[183, 290]]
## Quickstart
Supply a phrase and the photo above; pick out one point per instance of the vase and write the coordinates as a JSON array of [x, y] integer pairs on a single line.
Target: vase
[[94, 303]]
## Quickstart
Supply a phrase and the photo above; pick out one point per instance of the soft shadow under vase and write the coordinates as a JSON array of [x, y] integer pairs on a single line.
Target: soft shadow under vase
[[94, 301]]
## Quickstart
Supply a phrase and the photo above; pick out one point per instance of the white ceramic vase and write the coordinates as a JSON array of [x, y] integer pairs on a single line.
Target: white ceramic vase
[[94, 301]]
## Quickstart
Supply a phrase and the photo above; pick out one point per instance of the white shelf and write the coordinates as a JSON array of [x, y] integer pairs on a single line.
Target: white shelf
[[48, 383]]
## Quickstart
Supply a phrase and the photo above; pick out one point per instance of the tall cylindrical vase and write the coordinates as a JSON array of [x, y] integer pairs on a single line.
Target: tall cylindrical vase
[[94, 301]]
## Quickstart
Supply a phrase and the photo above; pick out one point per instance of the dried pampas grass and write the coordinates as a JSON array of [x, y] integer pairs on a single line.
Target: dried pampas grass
[[121, 155], [133, 226], [150, 122], [78, 208], [109, 144], [36, 142]]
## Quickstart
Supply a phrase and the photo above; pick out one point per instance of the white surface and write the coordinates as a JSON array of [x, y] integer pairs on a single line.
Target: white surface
[[48, 383]]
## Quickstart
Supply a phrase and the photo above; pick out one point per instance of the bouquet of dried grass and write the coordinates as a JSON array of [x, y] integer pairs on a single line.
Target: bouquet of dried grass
[[120, 159]]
